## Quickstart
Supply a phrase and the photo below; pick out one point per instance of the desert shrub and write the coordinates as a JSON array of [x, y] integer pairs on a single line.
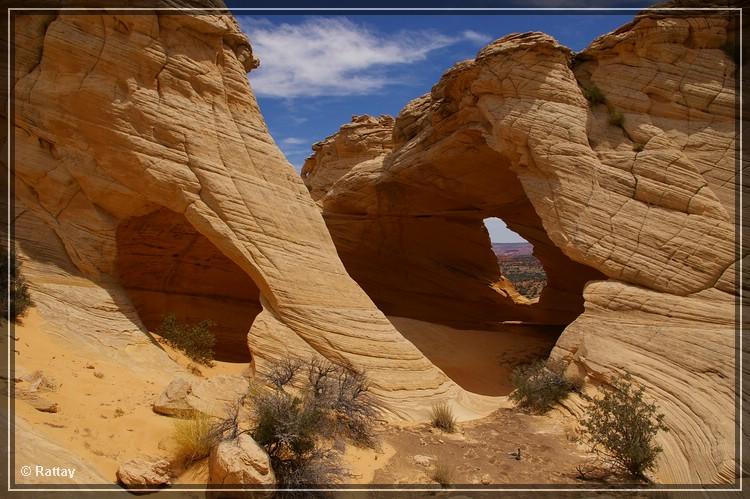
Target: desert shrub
[[442, 473], [638, 147], [283, 372], [593, 94], [442, 417], [195, 340], [616, 118], [621, 427], [538, 387], [194, 438], [20, 300], [330, 403]]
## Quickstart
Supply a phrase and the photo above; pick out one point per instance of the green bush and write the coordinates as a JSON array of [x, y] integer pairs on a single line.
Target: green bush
[[442, 417], [616, 118], [638, 147], [195, 340], [20, 301], [593, 94], [621, 427], [538, 387], [330, 402]]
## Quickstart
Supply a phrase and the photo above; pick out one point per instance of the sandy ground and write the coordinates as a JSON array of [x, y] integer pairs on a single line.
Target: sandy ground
[[479, 361], [479, 453], [105, 414]]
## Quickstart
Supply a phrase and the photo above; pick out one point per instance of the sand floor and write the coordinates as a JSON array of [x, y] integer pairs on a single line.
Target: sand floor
[[479, 453], [479, 361], [105, 414]]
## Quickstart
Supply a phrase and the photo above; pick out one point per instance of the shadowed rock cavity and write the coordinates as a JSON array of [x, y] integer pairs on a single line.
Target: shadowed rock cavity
[[419, 247], [166, 267], [635, 187]]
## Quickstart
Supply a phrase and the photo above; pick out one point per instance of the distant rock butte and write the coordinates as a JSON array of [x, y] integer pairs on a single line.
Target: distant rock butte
[[146, 180], [634, 224]]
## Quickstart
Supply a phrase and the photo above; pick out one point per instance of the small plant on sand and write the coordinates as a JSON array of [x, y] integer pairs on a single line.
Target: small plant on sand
[[616, 118], [309, 404], [593, 94], [442, 417], [638, 147], [195, 340], [194, 437], [621, 427], [20, 300], [442, 473], [539, 387]]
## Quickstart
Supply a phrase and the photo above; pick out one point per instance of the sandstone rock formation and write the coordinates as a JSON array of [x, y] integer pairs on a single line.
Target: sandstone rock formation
[[147, 183], [629, 204], [32, 447], [415, 240], [143, 472], [186, 396], [240, 461]]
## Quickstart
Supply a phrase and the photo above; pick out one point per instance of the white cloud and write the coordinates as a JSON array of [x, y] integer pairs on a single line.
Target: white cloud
[[293, 141], [333, 56], [476, 37]]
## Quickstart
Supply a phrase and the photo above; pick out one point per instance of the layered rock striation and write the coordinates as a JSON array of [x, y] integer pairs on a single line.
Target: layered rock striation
[[617, 164], [147, 183]]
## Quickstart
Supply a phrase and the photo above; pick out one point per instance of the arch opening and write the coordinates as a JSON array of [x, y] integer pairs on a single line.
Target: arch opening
[[516, 260], [167, 267], [423, 254]]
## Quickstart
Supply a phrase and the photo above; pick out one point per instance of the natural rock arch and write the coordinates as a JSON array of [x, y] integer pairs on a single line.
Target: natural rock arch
[[160, 116], [415, 240], [639, 190], [156, 112]]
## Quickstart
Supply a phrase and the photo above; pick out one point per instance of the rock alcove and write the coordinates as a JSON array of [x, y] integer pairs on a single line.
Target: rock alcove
[[166, 266], [416, 242]]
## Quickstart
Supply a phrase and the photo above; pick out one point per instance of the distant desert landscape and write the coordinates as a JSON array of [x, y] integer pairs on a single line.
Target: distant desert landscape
[[189, 309]]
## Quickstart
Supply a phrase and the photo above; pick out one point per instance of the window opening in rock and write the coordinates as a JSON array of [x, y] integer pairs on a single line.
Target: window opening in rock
[[516, 259]]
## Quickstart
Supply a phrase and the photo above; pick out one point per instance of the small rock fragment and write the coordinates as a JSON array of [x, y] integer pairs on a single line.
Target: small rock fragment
[[144, 472]]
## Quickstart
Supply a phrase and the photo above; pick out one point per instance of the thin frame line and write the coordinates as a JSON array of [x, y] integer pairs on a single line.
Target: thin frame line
[[740, 277], [397, 9], [385, 9]]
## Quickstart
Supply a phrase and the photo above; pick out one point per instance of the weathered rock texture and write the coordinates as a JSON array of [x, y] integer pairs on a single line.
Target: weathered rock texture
[[240, 461], [642, 205], [187, 396], [144, 472], [412, 234], [164, 264], [147, 183]]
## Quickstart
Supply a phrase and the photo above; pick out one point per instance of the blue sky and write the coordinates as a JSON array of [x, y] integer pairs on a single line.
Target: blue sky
[[318, 71]]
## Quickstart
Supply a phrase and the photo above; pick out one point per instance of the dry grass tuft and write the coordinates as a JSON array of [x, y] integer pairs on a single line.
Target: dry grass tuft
[[442, 417], [442, 474], [194, 438]]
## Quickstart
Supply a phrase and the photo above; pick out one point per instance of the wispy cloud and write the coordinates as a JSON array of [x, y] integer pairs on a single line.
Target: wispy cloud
[[476, 37], [335, 56], [293, 141]]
